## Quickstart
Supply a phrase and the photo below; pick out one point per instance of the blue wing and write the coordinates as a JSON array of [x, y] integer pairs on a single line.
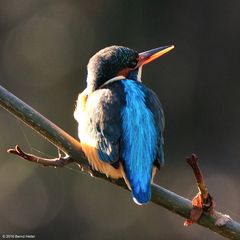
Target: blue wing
[[142, 119], [153, 103]]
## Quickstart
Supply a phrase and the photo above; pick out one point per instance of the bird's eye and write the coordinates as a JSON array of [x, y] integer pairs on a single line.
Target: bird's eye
[[133, 63]]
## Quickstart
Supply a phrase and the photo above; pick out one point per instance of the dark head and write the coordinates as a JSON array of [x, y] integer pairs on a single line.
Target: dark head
[[116, 61]]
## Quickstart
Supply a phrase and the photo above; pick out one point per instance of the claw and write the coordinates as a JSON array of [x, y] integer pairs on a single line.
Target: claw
[[86, 168]]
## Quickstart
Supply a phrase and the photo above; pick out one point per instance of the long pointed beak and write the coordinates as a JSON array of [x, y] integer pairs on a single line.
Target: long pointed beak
[[149, 56]]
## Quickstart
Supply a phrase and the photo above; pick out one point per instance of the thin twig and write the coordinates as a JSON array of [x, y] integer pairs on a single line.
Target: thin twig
[[53, 162], [59, 161], [203, 201], [193, 162]]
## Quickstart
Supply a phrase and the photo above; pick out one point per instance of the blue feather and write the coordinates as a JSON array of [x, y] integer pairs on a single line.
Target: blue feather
[[139, 147]]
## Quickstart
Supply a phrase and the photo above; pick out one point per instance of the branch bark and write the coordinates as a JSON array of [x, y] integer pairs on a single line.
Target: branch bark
[[215, 221]]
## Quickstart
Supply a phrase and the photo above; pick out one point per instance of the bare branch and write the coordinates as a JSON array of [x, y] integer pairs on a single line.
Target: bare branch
[[217, 221], [203, 201], [207, 200], [54, 162], [59, 161]]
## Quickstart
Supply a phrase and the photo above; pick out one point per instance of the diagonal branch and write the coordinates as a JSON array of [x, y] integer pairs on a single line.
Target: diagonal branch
[[69, 145]]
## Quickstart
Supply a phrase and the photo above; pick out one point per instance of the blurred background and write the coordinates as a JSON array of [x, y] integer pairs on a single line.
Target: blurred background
[[44, 50]]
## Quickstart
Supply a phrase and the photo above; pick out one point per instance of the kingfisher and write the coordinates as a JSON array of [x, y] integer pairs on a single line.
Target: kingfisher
[[120, 120]]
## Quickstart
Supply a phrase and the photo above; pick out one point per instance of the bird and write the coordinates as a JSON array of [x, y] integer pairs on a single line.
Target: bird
[[121, 120]]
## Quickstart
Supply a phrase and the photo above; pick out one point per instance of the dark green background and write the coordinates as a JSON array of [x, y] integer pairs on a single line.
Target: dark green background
[[44, 50]]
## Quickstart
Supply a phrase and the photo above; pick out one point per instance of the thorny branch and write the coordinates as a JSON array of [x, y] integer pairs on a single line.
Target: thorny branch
[[215, 221]]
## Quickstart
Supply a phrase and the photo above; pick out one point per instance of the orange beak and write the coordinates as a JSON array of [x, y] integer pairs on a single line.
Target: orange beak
[[149, 56]]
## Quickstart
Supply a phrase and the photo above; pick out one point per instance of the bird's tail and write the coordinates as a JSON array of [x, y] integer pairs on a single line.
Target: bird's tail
[[140, 194], [141, 190], [141, 197]]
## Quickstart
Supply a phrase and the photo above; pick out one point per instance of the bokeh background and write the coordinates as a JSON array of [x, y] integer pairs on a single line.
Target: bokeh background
[[44, 50]]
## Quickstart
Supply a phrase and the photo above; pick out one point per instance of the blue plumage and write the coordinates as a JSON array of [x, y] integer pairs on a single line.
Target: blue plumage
[[139, 141], [121, 121]]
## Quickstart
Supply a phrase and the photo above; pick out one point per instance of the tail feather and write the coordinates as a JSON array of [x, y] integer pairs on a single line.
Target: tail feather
[[141, 197], [139, 142], [141, 194]]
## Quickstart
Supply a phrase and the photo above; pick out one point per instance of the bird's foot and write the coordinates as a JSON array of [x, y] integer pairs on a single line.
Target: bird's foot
[[86, 168], [202, 202]]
